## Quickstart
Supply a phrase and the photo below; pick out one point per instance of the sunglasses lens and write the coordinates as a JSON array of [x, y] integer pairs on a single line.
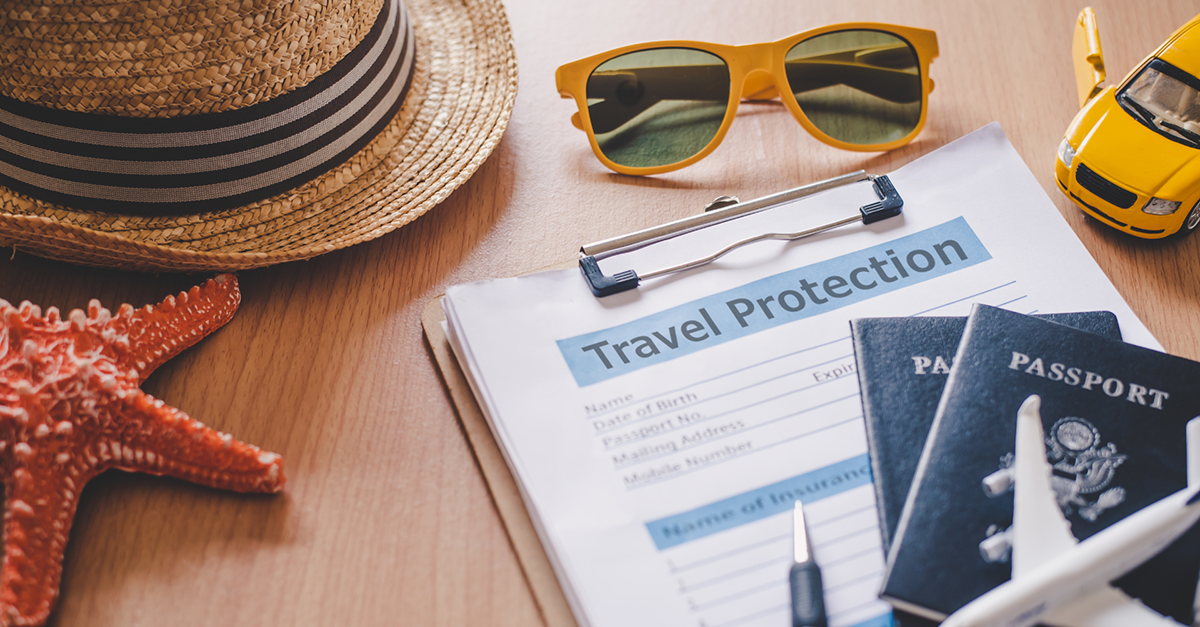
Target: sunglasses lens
[[657, 107], [858, 86]]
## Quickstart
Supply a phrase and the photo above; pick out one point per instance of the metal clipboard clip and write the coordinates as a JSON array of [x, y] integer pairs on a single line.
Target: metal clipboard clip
[[721, 210]]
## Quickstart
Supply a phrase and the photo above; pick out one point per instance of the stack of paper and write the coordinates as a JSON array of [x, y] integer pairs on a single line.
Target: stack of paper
[[660, 436]]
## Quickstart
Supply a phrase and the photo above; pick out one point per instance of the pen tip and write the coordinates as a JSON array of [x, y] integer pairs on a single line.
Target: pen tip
[[800, 544]]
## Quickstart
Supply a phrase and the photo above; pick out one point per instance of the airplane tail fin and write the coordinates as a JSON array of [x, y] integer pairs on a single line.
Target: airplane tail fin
[[1039, 529], [1193, 452]]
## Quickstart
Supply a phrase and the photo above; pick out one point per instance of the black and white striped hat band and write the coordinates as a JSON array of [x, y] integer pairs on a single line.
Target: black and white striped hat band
[[212, 161]]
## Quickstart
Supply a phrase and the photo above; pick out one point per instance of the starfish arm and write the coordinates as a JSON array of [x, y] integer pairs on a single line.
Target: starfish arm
[[39, 507], [156, 334], [161, 440], [70, 408]]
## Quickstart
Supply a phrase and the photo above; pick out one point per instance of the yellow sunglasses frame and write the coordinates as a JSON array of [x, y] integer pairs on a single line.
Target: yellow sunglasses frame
[[756, 72]]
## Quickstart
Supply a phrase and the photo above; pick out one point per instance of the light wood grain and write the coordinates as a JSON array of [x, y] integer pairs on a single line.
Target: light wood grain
[[386, 519]]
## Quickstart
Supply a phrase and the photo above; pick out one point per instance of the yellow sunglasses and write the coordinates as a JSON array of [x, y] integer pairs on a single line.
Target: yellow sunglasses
[[659, 106]]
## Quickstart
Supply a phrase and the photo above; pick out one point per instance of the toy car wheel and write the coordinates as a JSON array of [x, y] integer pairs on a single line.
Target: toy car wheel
[[1191, 221]]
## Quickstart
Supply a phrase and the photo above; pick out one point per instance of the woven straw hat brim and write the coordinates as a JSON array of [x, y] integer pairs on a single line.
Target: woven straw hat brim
[[463, 88]]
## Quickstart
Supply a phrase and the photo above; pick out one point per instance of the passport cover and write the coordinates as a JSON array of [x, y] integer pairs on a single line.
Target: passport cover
[[902, 368], [1114, 416]]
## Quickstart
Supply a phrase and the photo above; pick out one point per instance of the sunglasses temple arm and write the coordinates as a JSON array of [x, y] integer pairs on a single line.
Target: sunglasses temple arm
[[889, 205]]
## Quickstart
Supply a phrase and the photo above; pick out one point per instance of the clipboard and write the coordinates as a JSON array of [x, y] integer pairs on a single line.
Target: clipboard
[[535, 564], [974, 190]]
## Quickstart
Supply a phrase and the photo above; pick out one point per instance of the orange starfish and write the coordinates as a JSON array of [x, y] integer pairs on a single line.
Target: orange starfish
[[70, 408]]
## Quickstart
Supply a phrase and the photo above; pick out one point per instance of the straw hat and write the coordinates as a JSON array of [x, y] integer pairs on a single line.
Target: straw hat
[[193, 135]]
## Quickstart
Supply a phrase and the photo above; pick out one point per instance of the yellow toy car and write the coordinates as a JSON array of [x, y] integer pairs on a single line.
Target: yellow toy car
[[1131, 157]]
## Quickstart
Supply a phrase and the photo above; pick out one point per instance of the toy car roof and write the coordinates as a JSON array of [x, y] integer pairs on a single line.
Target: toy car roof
[[1182, 49]]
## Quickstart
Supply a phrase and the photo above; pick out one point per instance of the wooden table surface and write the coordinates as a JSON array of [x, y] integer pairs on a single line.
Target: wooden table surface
[[386, 519]]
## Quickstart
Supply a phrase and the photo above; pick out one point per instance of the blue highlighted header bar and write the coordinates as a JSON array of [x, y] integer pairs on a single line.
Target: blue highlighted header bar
[[767, 303], [761, 503]]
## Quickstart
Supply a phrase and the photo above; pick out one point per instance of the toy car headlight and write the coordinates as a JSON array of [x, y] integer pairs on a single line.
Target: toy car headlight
[[1160, 207], [1066, 153]]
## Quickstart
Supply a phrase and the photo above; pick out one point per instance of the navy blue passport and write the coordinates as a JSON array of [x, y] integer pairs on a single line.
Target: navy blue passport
[[902, 368], [1114, 416]]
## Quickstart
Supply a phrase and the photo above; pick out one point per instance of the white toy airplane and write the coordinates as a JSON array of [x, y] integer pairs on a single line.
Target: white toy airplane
[[1059, 581]]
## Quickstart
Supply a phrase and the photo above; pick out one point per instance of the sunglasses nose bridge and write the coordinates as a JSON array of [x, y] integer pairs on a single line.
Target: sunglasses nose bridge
[[759, 82], [759, 85]]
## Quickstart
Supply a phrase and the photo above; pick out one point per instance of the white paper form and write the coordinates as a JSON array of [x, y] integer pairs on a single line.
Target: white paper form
[[660, 436]]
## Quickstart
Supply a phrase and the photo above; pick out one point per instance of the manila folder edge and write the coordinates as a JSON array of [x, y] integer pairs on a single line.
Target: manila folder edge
[[547, 594]]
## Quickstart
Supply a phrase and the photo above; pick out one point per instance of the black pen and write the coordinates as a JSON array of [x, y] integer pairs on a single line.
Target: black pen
[[808, 593]]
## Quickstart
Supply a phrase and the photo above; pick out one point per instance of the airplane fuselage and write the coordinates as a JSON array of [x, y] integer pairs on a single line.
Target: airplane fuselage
[[1093, 563]]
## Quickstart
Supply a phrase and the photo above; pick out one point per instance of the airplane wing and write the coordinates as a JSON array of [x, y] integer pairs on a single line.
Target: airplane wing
[[1040, 532], [1106, 607]]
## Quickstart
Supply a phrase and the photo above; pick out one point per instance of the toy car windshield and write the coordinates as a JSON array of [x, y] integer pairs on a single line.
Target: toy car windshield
[[1167, 100]]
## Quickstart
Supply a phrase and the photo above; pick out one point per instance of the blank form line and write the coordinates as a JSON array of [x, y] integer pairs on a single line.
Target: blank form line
[[720, 376], [1013, 300], [851, 610], [846, 558], [736, 573], [677, 408], [740, 455], [771, 562], [738, 595], [829, 521], [855, 581], [846, 536], [775, 584], [721, 437], [727, 554], [955, 302], [749, 617]]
